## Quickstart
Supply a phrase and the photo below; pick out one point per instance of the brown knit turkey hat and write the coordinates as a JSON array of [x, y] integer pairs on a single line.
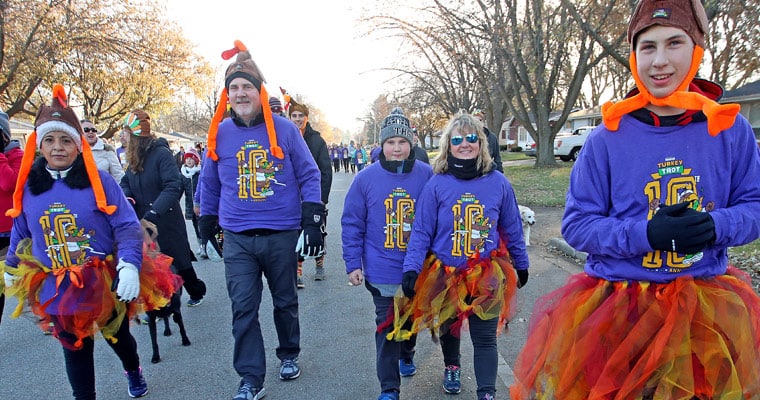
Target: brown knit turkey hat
[[137, 123], [58, 117], [296, 106], [688, 15], [243, 67]]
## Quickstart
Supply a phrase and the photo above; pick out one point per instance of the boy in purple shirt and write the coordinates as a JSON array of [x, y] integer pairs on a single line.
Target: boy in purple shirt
[[658, 312]]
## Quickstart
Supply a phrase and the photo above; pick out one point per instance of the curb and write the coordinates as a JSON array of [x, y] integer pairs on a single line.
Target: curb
[[561, 245]]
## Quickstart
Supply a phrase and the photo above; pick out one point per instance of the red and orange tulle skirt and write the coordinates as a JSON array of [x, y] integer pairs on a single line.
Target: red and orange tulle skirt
[[485, 287], [687, 339], [84, 303]]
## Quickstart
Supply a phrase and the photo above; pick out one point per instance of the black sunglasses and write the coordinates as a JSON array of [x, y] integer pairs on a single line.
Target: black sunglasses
[[88, 129], [470, 137]]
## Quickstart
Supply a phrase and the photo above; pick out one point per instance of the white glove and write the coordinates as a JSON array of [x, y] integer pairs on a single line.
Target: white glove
[[128, 281], [10, 279]]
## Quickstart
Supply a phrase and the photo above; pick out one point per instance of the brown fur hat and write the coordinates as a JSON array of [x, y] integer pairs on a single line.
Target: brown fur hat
[[688, 15]]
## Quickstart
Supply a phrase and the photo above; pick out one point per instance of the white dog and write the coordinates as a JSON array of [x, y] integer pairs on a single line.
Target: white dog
[[528, 219]]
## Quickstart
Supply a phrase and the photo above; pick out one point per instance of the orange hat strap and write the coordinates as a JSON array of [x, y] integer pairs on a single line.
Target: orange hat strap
[[97, 185], [719, 116], [274, 149], [214, 126], [302, 128], [26, 165]]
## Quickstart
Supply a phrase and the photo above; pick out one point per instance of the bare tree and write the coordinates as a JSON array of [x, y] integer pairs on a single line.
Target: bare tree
[[113, 55], [533, 42], [733, 41]]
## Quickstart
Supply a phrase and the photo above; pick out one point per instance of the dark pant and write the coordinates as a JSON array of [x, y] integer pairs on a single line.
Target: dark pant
[[246, 258], [345, 164], [485, 357], [80, 364], [195, 287], [5, 241], [388, 351], [336, 164]]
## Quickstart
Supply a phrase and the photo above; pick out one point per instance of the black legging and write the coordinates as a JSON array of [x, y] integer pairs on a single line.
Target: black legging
[[80, 364]]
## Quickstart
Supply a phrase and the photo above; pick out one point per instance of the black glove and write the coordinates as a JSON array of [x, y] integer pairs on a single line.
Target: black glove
[[408, 281], [312, 241], [680, 229], [151, 216], [522, 277], [207, 226]]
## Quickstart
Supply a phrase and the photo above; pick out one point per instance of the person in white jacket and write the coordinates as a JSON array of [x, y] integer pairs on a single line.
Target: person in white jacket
[[103, 153]]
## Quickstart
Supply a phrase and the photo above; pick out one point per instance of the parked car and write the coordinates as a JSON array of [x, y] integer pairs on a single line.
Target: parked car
[[530, 149], [567, 146]]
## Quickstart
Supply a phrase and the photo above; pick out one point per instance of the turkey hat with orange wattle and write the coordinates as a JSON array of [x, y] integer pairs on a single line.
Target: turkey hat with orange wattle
[[58, 117], [243, 67], [689, 16]]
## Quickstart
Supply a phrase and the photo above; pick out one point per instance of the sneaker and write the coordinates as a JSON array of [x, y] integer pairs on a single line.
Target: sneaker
[[289, 369], [451, 383], [406, 367], [201, 253], [141, 319], [487, 396], [389, 395], [320, 274], [213, 255], [137, 385], [246, 391], [195, 302], [48, 329]]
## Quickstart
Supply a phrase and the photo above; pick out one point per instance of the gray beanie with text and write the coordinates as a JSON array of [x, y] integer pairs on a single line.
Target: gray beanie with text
[[396, 125]]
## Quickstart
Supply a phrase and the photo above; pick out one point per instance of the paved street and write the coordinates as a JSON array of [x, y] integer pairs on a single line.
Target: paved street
[[337, 342]]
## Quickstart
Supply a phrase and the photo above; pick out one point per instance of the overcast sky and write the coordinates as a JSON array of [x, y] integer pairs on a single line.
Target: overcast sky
[[309, 47]]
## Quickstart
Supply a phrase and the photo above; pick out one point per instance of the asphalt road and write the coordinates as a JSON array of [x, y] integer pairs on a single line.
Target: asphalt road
[[337, 325]]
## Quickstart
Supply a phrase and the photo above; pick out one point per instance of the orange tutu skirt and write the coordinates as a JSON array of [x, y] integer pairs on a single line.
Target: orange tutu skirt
[[687, 339], [83, 303], [484, 287]]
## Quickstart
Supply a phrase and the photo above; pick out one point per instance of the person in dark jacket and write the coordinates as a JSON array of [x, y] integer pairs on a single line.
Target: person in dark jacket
[[299, 114], [493, 141], [155, 186], [191, 171], [419, 153]]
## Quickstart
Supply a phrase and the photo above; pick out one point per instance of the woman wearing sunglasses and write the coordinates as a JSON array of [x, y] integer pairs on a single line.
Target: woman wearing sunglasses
[[103, 153], [457, 264]]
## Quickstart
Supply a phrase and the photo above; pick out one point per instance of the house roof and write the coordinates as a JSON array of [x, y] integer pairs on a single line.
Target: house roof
[[749, 91], [595, 111]]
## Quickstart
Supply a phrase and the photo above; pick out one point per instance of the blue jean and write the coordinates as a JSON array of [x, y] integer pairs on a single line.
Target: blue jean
[[389, 351], [246, 259], [485, 353]]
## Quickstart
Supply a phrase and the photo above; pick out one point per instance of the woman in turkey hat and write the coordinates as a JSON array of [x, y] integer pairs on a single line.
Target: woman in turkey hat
[[62, 259]]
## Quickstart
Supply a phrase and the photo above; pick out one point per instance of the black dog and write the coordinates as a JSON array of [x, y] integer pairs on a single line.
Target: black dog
[[170, 310]]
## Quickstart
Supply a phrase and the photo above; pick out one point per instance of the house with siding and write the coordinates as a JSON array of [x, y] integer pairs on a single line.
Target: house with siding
[[748, 97]]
